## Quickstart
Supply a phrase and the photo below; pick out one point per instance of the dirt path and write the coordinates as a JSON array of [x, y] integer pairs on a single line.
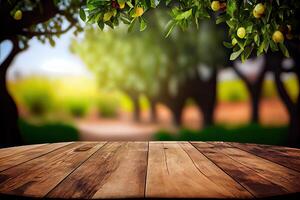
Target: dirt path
[[115, 130]]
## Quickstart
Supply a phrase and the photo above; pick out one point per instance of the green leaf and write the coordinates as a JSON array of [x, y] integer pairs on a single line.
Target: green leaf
[[143, 24], [101, 24], [184, 15], [228, 45], [236, 54], [170, 26], [82, 14], [231, 7], [130, 27], [284, 50]]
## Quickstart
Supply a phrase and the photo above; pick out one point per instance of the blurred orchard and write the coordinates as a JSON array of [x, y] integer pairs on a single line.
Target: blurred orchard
[[145, 86]]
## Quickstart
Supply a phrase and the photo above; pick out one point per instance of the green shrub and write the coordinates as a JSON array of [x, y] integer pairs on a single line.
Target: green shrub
[[252, 133], [76, 107], [107, 106], [35, 94], [47, 132], [38, 100]]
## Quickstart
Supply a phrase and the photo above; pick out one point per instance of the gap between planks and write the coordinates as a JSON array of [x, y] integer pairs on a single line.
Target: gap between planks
[[34, 157], [76, 168], [260, 167], [249, 149]]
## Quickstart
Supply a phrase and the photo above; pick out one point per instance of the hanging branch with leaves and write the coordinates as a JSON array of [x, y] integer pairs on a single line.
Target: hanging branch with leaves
[[254, 25]]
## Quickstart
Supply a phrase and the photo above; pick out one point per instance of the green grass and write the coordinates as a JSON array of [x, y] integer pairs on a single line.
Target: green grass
[[47, 132], [252, 133]]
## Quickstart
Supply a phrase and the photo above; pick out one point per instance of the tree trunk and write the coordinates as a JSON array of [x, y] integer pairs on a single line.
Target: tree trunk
[[10, 133], [294, 129], [207, 100], [153, 111], [136, 108], [292, 107], [255, 101], [176, 105], [177, 112], [254, 90]]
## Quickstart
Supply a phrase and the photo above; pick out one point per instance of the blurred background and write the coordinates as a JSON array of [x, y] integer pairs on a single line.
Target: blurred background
[[115, 85]]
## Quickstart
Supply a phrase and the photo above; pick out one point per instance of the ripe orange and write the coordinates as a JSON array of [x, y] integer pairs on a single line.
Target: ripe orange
[[277, 37], [241, 32], [139, 11], [122, 5], [18, 15], [215, 6]]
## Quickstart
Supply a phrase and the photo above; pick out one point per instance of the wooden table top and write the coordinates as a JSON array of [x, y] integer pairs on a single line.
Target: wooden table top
[[149, 169]]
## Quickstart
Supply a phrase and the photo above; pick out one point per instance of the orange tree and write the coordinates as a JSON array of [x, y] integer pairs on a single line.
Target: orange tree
[[21, 21], [256, 27]]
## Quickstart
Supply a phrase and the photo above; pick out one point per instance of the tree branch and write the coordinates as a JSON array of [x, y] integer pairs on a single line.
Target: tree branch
[[288, 70], [242, 76], [6, 63], [32, 33], [39, 14], [282, 90]]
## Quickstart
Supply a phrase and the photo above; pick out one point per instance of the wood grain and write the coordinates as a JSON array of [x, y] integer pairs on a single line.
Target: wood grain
[[37, 177], [279, 155], [287, 178], [118, 170], [228, 185], [172, 173], [246, 176], [6, 152], [23, 156]]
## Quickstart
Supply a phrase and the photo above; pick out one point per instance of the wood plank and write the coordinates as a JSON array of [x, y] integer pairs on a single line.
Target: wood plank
[[287, 178], [37, 177], [5, 152], [215, 174], [8, 162], [118, 170], [171, 173], [284, 156], [252, 180]]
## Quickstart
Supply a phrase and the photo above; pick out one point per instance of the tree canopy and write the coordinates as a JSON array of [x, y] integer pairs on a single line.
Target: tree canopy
[[254, 25], [47, 19], [143, 62], [122, 61]]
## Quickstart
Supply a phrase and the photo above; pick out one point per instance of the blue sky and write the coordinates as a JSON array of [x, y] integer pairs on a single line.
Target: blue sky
[[42, 59]]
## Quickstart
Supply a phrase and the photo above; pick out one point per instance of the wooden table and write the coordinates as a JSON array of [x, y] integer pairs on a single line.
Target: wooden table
[[149, 169]]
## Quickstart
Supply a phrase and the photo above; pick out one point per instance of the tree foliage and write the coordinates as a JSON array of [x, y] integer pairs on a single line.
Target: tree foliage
[[122, 61], [254, 25], [146, 62], [45, 20]]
